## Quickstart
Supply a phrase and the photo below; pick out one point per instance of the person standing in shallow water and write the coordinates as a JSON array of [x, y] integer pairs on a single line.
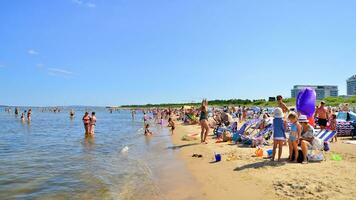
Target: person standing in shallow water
[[71, 114], [92, 123], [16, 111], [86, 122], [29, 113], [204, 121]]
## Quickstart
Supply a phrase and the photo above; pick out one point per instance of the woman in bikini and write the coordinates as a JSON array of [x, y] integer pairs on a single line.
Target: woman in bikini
[[86, 122], [204, 121]]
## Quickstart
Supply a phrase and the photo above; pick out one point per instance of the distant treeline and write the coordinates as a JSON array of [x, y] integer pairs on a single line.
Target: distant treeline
[[330, 101]]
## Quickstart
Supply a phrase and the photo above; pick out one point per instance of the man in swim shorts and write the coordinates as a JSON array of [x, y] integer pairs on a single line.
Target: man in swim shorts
[[322, 115]]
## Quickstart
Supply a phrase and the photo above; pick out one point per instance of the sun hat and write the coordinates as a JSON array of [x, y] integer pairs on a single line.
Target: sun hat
[[278, 113], [303, 118]]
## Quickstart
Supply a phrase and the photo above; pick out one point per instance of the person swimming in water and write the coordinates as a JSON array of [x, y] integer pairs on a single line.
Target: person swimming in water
[[86, 122], [92, 123], [23, 117]]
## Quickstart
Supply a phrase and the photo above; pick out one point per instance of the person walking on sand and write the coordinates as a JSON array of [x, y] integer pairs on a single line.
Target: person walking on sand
[[279, 135], [86, 122], [204, 121], [322, 115], [92, 123]]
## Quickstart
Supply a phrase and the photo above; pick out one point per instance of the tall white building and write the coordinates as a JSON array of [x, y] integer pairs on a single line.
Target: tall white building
[[321, 91], [351, 85]]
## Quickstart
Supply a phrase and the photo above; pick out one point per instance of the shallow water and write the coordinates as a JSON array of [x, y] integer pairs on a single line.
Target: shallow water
[[51, 158]]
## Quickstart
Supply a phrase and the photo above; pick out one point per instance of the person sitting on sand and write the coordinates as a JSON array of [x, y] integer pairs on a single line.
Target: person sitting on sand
[[86, 122], [307, 136], [279, 136], [92, 123], [171, 124], [294, 136], [147, 130], [204, 121]]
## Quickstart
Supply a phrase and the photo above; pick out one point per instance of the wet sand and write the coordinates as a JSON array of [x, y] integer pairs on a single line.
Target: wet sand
[[245, 176]]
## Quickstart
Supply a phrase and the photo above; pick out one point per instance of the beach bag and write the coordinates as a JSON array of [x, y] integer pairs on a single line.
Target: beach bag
[[316, 157], [300, 156], [318, 144]]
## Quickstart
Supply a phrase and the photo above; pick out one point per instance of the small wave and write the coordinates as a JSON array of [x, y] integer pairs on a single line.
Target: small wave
[[125, 149]]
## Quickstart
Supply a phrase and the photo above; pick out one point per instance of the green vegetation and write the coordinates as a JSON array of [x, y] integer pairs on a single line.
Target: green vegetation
[[330, 101]]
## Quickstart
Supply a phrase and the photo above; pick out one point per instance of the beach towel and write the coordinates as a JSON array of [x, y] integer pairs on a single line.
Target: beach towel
[[350, 142]]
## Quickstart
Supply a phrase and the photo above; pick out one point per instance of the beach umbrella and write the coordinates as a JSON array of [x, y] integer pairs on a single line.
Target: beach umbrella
[[305, 101]]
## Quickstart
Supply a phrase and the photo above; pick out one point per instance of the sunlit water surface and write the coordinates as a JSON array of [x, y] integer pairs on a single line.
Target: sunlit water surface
[[50, 158]]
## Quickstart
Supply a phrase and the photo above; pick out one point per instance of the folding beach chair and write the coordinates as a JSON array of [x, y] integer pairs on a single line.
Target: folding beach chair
[[244, 128], [221, 129], [259, 138], [320, 139], [325, 135]]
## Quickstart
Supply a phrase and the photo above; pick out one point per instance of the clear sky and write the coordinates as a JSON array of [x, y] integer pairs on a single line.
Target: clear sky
[[113, 52]]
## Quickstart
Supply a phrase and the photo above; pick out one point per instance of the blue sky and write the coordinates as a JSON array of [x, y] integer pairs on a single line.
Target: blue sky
[[113, 52]]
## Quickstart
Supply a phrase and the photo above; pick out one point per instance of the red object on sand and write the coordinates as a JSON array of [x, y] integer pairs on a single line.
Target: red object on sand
[[311, 121]]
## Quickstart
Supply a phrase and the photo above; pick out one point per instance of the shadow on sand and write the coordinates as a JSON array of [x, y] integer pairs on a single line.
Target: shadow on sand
[[181, 146], [261, 164]]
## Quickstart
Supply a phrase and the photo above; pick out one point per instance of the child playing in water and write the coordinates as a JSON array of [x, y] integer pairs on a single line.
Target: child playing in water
[[279, 136], [171, 124], [147, 130], [333, 126], [294, 136]]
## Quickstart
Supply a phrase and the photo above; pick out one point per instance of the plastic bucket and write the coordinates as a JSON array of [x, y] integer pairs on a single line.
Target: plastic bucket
[[217, 157]]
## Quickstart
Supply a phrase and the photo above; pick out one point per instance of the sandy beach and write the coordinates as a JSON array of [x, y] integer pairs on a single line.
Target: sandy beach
[[242, 175]]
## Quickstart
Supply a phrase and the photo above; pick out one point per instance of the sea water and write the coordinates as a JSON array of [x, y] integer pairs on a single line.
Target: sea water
[[50, 158]]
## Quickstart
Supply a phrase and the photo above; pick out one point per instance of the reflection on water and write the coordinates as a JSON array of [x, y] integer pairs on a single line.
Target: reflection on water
[[89, 142], [50, 158]]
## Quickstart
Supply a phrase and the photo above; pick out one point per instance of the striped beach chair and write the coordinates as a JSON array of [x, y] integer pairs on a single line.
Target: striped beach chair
[[325, 135], [244, 128]]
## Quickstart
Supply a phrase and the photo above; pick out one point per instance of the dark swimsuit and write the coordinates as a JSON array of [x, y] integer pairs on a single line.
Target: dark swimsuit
[[203, 116]]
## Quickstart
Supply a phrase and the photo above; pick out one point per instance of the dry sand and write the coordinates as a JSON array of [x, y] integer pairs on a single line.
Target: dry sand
[[248, 177]]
